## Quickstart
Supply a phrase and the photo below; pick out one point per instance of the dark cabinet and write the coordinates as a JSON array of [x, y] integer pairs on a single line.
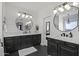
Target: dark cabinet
[[78, 50], [65, 51], [52, 48], [15, 43], [61, 48], [36, 40], [26, 41], [10, 44], [69, 49]]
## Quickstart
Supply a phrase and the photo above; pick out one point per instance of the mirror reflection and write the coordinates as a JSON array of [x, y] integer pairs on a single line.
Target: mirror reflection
[[67, 20], [24, 24]]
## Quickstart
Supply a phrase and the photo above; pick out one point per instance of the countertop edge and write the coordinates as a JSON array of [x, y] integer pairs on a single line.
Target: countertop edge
[[22, 34], [61, 40]]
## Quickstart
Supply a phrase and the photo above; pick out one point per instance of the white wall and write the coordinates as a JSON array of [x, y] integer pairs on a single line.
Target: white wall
[[10, 12], [38, 18], [44, 15], [54, 33]]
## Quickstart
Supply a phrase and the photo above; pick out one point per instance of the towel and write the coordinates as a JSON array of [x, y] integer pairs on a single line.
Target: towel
[[27, 51]]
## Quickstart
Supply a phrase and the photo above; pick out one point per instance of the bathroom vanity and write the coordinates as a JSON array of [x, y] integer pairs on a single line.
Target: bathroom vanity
[[65, 44], [14, 43], [61, 48]]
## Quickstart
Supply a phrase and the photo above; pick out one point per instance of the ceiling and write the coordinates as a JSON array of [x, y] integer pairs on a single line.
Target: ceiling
[[36, 6]]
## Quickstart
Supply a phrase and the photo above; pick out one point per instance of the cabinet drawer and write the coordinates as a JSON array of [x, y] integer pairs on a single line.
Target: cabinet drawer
[[70, 44], [67, 51]]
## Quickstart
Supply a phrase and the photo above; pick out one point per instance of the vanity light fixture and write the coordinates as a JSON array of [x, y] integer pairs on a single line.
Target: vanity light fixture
[[30, 16], [75, 3], [26, 16], [23, 15], [19, 14], [61, 9], [55, 11], [67, 7]]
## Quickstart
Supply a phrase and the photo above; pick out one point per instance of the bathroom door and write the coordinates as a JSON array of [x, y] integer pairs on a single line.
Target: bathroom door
[[1, 38]]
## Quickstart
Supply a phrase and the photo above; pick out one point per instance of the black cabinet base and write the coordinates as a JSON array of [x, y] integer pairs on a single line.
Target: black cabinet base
[[12, 44], [61, 48]]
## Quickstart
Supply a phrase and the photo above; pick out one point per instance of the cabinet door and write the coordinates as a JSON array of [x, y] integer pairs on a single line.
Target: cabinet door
[[12, 44], [36, 39], [25, 41], [9, 44], [78, 50], [16, 43], [52, 49]]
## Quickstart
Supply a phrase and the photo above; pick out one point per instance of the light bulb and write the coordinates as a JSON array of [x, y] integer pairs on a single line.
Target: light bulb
[[54, 11], [61, 9], [67, 7], [75, 3], [23, 15], [19, 14], [30, 16], [26, 16]]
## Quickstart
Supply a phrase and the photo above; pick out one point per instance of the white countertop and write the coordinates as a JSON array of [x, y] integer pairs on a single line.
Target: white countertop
[[58, 37], [21, 34], [65, 39]]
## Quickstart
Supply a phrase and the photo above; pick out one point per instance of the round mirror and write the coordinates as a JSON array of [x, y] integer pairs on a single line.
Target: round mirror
[[66, 20], [24, 24]]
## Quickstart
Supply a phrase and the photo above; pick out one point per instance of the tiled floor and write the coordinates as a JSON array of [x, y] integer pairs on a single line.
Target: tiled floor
[[42, 51]]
